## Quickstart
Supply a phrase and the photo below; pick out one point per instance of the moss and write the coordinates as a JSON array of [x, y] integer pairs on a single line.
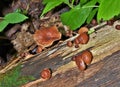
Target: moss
[[13, 78]]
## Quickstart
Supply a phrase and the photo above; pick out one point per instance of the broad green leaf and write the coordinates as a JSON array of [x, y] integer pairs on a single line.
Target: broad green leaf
[[15, 17], [3, 24], [90, 4], [50, 5], [92, 14], [108, 9], [71, 18], [77, 16]]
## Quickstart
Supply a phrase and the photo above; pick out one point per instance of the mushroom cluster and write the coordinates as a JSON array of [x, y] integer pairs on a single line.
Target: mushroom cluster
[[45, 37], [83, 37], [82, 60]]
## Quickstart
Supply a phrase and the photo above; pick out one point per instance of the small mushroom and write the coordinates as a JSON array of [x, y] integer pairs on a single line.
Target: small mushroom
[[46, 36], [87, 57], [76, 41], [69, 43], [82, 30], [80, 63], [82, 60], [94, 22], [46, 73], [39, 49], [83, 38], [76, 45], [110, 22], [117, 27]]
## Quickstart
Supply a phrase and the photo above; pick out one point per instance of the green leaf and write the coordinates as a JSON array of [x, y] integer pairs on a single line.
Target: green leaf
[[46, 1], [50, 5], [108, 9], [67, 2], [18, 10], [99, 1], [71, 18], [3, 24], [92, 14], [77, 16], [83, 1], [15, 17]]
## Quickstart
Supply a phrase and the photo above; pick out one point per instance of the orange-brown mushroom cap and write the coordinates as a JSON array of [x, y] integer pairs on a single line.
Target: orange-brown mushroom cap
[[46, 36]]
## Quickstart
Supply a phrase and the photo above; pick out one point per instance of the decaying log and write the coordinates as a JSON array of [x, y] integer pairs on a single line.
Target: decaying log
[[101, 74], [103, 42]]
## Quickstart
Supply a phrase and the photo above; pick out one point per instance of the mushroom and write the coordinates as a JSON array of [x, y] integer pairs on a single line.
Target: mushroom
[[69, 43], [45, 37], [46, 73], [82, 30], [83, 38], [80, 63], [82, 60], [117, 27], [87, 57]]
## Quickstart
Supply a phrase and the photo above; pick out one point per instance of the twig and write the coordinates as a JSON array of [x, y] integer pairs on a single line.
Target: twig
[[33, 83]]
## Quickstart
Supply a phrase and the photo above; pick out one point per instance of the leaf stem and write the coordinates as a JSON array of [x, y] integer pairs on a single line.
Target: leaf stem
[[70, 5], [89, 6], [72, 2]]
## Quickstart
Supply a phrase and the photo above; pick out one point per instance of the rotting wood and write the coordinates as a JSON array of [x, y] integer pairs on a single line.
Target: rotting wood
[[104, 73], [67, 52], [102, 43], [50, 51]]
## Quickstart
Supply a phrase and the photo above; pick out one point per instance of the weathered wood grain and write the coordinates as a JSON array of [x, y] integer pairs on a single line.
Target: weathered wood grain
[[104, 73], [102, 43]]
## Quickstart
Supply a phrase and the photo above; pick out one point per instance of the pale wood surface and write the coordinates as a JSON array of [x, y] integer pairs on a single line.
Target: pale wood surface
[[104, 73], [102, 43]]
